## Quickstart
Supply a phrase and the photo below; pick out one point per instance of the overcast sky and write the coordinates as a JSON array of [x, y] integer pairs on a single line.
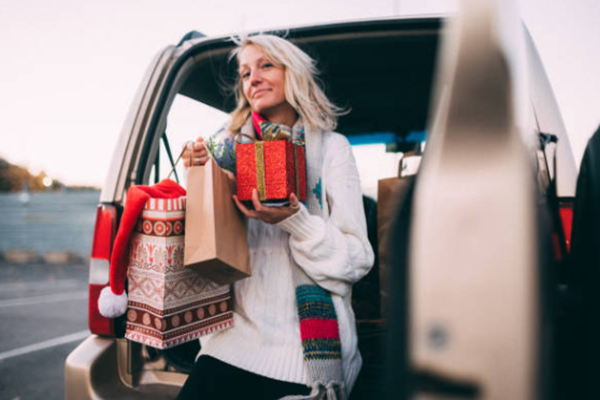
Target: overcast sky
[[70, 68]]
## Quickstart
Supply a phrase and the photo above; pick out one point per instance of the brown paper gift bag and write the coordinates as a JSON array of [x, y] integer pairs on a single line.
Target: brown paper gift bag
[[389, 192], [216, 244]]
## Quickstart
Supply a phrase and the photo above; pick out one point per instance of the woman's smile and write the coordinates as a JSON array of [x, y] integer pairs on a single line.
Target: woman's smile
[[259, 91]]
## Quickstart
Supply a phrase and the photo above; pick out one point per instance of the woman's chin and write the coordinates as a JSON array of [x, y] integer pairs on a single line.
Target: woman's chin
[[270, 110], [262, 107]]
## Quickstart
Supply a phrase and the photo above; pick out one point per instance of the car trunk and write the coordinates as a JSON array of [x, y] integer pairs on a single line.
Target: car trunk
[[382, 72]]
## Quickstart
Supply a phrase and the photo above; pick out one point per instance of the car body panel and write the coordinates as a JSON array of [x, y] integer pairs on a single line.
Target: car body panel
[[474, 310], [94, 372], [549, 120]]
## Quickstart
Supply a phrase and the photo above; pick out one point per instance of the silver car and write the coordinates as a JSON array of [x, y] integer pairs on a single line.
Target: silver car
[[468, 272]]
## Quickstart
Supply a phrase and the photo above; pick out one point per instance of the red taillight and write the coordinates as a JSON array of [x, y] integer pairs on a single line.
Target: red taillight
[[565, 209], [104, 235]]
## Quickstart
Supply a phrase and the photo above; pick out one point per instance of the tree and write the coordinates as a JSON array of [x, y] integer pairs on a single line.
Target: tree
[[14, 178]]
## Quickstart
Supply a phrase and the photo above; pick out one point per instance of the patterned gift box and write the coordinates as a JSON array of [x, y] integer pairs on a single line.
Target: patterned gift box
[[169, 304], [275, 168]]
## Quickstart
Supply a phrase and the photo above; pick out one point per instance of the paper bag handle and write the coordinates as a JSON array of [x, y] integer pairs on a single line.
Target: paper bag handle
[[189, 142]]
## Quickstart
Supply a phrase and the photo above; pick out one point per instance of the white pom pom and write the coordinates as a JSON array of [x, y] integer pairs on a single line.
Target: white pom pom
[[112, 305]]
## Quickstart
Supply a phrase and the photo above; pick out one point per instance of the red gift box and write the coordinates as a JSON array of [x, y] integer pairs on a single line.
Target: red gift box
[[275, 168]]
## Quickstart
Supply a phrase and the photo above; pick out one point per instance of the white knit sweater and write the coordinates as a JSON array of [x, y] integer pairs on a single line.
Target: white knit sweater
[[265, 338]]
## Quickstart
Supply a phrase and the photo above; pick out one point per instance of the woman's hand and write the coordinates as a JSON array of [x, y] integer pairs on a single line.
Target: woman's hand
[[270, 215], [197, 152]]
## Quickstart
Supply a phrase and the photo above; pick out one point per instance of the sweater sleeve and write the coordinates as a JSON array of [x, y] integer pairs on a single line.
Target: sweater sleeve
[[335, 253]]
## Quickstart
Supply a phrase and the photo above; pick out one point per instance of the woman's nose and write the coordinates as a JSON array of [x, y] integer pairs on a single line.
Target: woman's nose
[[255, 77]]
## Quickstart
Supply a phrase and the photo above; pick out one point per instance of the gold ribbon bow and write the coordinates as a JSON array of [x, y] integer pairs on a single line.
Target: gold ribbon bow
[[271, 132]]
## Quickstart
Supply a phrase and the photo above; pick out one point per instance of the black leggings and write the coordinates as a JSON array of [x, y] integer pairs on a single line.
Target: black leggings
[[212, 379]]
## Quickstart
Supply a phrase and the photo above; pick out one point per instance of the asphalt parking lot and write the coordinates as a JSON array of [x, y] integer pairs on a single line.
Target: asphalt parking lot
[[43, 309]]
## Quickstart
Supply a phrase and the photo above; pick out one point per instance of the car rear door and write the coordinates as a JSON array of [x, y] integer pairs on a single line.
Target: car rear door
[[474, 266]]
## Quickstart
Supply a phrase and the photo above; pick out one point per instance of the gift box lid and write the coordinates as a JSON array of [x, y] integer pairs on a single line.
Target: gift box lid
[[177, 204]]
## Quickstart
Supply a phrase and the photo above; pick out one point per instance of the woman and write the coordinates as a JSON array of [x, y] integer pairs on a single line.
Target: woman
[[294, 330]]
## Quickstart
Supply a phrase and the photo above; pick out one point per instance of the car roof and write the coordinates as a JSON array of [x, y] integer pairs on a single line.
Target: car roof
[[380, 70]]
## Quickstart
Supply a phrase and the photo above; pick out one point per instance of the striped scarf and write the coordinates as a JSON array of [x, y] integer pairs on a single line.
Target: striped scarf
[[319, 329]]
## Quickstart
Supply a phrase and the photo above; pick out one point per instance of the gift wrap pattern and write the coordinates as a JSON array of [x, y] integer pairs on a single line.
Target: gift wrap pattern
[[275, 168], [169, 304]]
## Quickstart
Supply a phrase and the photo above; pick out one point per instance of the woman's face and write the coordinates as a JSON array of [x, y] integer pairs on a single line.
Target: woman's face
[[263, 83]]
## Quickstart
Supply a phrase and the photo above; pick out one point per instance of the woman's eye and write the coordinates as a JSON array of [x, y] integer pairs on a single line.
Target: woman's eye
[[267, 65], [245, 75]]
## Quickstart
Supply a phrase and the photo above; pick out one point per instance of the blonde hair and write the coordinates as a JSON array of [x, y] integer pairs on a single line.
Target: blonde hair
[[301, 89]]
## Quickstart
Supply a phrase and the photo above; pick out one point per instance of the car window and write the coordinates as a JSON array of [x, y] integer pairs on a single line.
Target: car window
[[374, 163], [378, 156], [187, 120]]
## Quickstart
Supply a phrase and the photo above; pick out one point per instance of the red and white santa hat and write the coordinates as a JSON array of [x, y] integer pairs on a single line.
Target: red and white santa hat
[[113, 299]]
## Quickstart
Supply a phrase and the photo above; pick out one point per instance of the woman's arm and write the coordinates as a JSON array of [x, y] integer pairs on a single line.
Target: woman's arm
[[335, 253]]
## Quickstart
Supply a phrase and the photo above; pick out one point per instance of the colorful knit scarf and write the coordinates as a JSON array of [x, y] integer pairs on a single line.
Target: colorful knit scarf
[[319, 330]]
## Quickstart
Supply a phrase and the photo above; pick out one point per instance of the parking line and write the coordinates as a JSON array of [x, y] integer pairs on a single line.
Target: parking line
[[44, 345], [43, 299], [43, 285]]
